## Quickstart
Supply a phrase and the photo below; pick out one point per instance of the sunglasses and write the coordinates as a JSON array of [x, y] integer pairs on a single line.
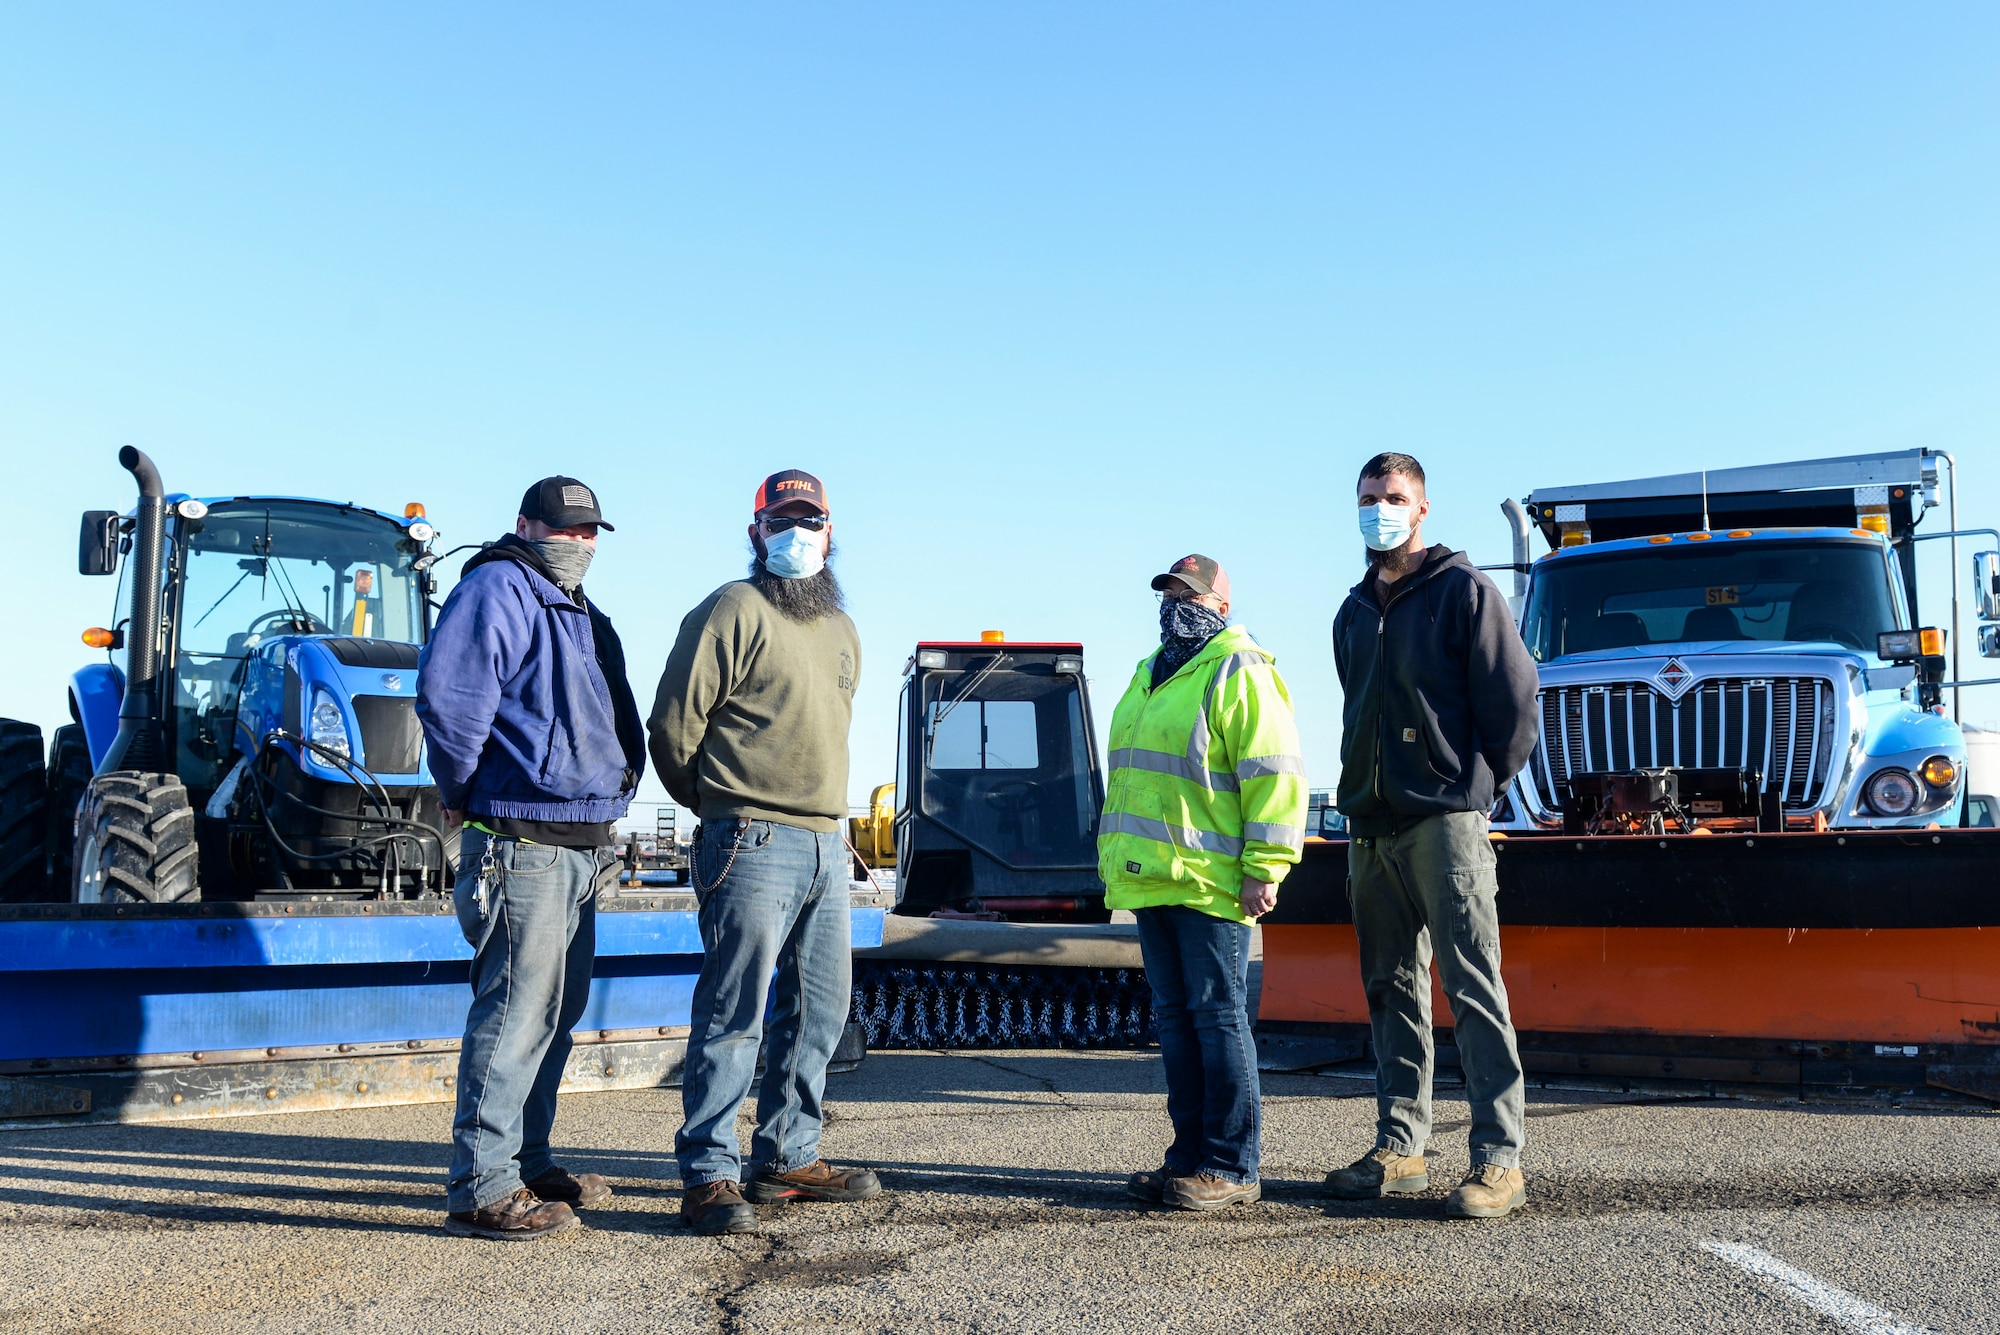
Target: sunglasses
[[779, 523]]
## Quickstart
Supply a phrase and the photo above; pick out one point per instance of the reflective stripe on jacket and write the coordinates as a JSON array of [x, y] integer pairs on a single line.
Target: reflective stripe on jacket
[[1207, 784]]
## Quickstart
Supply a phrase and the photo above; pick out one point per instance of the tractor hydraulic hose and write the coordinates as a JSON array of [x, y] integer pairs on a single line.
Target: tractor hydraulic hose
[[363, 780], [139, 744]]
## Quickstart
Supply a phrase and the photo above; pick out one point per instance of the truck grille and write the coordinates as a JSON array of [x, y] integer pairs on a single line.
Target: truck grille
[[1779, 726]]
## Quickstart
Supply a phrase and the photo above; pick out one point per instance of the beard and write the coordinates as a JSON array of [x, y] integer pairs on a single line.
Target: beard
[[806, 599]]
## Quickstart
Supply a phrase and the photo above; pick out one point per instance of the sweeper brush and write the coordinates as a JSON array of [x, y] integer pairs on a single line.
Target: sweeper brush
[[918, 1004]]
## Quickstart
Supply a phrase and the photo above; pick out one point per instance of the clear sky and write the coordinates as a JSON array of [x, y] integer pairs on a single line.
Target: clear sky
[[1049, 294]]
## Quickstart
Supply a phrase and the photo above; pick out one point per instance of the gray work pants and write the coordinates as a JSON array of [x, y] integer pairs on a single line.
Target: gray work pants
[[1431, 888]]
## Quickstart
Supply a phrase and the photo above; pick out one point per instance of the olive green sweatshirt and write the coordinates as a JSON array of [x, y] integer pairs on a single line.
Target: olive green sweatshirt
[[752, 713]]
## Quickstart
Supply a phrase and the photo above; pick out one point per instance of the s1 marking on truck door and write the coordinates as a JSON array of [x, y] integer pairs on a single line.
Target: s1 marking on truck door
[[1724, 596]]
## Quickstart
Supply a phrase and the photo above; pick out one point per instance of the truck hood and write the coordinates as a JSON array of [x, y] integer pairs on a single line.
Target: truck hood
[[1719, 649]]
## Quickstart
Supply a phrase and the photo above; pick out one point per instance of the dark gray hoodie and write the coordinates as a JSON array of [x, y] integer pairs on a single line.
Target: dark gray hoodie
[[1440, 708]]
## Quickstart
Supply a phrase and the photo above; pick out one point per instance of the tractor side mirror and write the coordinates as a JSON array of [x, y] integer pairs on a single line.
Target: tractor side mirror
[[97, 544], [1986, 579]]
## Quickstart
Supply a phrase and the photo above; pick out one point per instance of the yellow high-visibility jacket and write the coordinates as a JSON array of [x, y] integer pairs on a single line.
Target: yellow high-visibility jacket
[[1207, 784]]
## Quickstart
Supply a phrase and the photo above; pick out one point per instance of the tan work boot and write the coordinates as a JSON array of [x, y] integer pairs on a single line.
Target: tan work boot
[[1488, 1192], [718, 1207], [816, 1181], [1379, 1173], [516, 1219], [573, 1190], [1206, 1191]]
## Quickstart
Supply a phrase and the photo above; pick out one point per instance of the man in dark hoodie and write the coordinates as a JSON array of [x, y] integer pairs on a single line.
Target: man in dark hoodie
[[1439, 717], [536, 745]]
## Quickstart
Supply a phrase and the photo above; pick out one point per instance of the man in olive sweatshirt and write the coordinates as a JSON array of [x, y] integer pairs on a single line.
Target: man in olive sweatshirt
[[749, 731]]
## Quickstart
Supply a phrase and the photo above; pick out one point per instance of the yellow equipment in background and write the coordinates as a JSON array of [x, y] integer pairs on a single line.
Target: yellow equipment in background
[[873, 836]]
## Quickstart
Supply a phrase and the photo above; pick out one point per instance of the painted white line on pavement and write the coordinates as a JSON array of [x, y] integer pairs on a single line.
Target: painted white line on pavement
[[1850, 1311]]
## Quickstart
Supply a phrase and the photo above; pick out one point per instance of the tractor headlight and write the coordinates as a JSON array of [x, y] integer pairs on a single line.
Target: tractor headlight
[[1893, 792], [326, 727]]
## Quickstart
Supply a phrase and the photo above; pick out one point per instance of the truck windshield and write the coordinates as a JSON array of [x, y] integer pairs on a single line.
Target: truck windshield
[[1827, 591]]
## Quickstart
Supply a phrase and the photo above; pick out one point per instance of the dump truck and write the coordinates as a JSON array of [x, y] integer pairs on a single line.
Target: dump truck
[[1739, 853], [230, 888]]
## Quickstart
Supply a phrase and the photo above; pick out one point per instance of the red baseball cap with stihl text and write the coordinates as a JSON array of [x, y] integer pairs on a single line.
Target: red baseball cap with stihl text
[[794, 486], [1201, 573]]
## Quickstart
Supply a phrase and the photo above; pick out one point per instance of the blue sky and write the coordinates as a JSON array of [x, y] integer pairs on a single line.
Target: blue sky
[[1049, 294]]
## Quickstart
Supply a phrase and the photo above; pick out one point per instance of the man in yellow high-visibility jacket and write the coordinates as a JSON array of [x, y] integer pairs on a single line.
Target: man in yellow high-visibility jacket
[[1204, 814]]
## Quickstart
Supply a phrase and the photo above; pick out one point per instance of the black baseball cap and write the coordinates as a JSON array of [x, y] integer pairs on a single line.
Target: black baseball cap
[[1203, 574], [792, 485], [563, 502]]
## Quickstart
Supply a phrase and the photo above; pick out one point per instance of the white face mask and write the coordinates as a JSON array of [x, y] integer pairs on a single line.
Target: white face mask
[[1386, 527], [794, 554]]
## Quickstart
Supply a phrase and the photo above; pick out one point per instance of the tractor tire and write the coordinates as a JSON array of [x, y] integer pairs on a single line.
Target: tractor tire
[[24, 801], [135, 841], [69, 776]]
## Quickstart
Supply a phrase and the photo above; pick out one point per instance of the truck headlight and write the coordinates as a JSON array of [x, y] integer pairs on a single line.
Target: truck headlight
[[1893, 792], [326, 727], [1939, 772]]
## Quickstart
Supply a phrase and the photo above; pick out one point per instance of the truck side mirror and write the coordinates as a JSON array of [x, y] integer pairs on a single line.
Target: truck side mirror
[[1986, 579], [1989, 641], [97, 544]]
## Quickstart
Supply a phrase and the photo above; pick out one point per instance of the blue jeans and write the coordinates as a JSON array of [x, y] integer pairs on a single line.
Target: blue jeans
[[773, 898], [1431, 889], [532, 923], [1199, 969]]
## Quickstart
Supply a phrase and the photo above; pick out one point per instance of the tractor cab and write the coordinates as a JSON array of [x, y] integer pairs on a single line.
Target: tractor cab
[[271, 670], [998, 783]]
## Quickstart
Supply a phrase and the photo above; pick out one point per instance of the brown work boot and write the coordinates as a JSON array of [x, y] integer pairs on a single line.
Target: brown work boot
[[1488, 1192], [520, 1217], [1379, 1173], [718, 1207], [1206, 1191], [1148, 1187], [558, 1185], [817, 1181]]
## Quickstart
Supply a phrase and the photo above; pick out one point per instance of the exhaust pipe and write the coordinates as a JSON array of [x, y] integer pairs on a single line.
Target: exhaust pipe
[[1523, 531], [139, 744]]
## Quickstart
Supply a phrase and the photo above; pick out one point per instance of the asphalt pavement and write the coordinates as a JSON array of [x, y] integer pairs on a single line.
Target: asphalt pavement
[[1006, 1212]]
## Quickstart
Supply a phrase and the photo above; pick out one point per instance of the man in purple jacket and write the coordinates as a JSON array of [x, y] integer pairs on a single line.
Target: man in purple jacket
[[536, 746]]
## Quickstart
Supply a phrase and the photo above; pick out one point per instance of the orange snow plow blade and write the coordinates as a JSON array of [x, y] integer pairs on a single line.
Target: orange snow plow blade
[[1857, 961]]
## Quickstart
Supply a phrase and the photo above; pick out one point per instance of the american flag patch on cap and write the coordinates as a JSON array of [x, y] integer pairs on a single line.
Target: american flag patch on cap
[[578, 495]]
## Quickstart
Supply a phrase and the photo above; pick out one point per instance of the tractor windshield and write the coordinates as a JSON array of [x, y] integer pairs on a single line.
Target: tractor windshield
[[1006, 765], [1834, 592], [254, 569]]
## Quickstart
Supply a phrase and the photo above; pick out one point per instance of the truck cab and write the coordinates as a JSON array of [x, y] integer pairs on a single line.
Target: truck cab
[[1749, 637]]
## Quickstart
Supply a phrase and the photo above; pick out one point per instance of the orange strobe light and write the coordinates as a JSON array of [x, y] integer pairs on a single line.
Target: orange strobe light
[[414, 510], [99, 638]]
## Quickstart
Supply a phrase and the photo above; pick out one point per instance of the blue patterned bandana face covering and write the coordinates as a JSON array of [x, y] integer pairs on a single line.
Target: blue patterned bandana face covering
[[1185, 619], [1185, 626]]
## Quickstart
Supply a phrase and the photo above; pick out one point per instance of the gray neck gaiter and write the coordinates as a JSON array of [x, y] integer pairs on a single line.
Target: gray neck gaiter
[[566, 558]]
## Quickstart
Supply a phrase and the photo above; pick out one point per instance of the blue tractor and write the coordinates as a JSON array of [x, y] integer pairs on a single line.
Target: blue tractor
[[261, 741]]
